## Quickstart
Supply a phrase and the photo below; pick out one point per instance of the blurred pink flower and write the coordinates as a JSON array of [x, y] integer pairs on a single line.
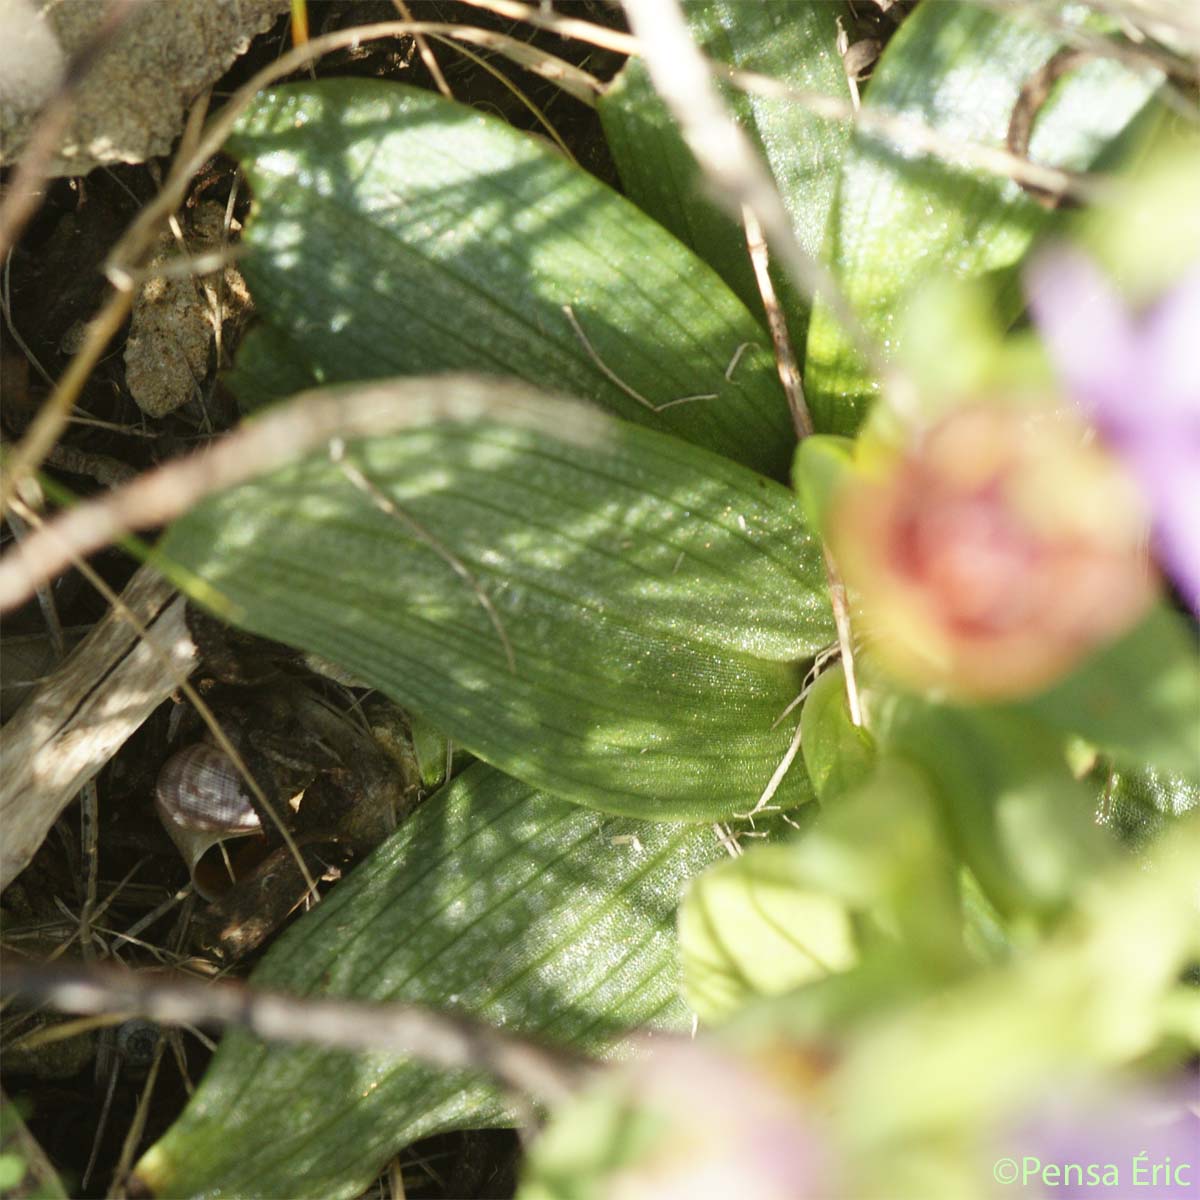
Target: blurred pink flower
[[1137, 380], [733, 1126], [993, 552]]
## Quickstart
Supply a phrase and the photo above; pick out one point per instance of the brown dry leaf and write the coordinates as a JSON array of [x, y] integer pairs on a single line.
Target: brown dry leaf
[[131, 105]]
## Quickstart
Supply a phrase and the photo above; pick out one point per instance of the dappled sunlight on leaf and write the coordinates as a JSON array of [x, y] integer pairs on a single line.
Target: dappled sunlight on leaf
[[396, 232], [658, 601]]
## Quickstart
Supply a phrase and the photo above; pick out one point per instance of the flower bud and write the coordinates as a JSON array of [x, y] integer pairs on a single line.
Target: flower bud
[[994, 553]]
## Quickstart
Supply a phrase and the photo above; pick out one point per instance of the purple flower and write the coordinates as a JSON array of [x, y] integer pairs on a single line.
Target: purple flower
[[1089, 1141], [1137, 379]]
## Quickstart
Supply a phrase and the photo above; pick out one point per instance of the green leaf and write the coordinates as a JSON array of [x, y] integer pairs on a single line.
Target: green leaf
[[1138, 698], [790, 40], [1140, 805], [520, 909], [1088, 999], [269, 367], [603, 611], [838, 754], [395, 232], [25, 1171], [1018, 819], [901, 220], [750, 928], [821, 464]]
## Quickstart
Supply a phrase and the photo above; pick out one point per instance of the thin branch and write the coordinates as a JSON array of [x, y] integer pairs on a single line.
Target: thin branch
[[789, 377], [785, 358], [508, 84], [843, 45], [427, 55], [186, 265], [871, 122], [683, 79], [14, 332], [385, 504], [906, 133], [841, 622], [452, 1042], [1035, 91], [279, 436], [543, 17], [55, 412], [785, 764], [616, 380], [1049, 16]]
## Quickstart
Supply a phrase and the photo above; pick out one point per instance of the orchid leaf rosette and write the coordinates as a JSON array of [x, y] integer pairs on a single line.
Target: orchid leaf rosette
[[555, 531]]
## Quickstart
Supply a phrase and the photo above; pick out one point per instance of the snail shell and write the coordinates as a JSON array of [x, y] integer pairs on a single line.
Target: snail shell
[[202, 802]]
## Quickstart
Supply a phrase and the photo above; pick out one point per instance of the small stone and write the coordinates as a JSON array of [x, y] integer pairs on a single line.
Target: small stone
[[175, 320]]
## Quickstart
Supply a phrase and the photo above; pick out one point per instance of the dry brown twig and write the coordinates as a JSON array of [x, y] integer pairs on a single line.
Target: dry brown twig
[[541, 17], [56, 411], [789, 377], [426, 51], [906, 133], [452, 1042], [903, 131], [1047, 14]]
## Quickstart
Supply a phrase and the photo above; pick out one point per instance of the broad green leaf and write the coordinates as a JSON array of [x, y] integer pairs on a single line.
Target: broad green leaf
[[1138, 698], [750, 928], [900, 220], [269, 367], [600, 610], [395, 232], [528, 912], [793, 41], [838, 754]]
